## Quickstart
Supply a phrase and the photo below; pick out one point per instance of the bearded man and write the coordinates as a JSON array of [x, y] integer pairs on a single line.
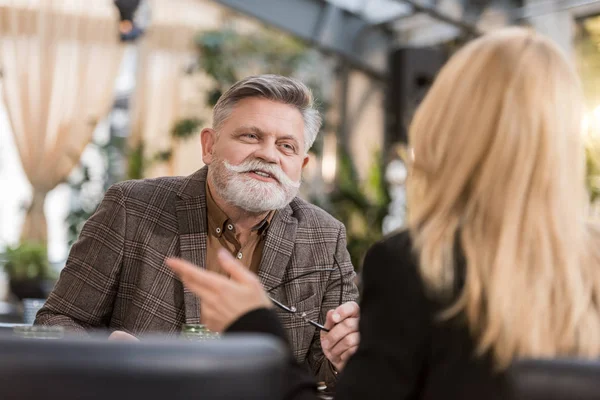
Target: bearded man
[[243, 200]]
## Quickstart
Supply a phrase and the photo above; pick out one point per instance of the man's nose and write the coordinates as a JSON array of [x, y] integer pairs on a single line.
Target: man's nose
[[268, 153]]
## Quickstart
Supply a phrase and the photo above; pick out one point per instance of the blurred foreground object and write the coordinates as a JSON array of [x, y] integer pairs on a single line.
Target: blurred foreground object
[[564, 379], [240, 367]]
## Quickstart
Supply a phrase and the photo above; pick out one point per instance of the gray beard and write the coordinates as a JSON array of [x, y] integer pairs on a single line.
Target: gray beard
[[246, 193]]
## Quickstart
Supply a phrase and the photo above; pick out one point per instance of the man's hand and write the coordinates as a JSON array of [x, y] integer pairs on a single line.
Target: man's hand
[[223, 300], [342, 339], [122, 337]]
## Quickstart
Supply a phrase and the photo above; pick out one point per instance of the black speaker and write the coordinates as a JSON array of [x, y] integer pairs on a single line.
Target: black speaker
[[411, 73]]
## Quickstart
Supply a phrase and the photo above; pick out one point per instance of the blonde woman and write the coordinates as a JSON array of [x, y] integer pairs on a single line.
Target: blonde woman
[[498, 262]]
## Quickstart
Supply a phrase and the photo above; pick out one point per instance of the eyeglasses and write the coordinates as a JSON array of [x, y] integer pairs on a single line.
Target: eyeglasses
[[293, 310]]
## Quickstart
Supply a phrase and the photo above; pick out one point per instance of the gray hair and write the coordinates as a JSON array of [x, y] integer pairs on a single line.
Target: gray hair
[[276, 88]]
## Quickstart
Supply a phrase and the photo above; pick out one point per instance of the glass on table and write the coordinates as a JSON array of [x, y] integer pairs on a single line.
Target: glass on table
[[39, 332], [30, 309], [198, 332]]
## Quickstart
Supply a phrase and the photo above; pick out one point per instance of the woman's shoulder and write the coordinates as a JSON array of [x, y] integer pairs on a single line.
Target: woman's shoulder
[[398, 237], [396, 246], [393, 257]]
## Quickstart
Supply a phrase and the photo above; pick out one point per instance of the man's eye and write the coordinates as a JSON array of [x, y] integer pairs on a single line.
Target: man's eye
[[249, 135], [288, 146]]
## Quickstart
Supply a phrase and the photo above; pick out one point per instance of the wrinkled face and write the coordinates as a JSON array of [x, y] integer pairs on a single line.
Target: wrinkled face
[[256, 159]]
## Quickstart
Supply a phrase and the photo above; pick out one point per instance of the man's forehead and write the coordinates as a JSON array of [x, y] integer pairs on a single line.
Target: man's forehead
[[267, 117]]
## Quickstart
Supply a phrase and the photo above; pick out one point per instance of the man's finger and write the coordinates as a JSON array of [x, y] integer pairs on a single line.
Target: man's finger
[[347, 342], [198, 280], [210, 297], [329, 323], [339, 332], [121, 336], [346, 310], [345, 356], [234, 268], [192, 274], [182, 268], [343, 312]]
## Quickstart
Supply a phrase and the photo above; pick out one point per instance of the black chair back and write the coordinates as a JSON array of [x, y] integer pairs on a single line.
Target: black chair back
[[243, 367], [561, 379]]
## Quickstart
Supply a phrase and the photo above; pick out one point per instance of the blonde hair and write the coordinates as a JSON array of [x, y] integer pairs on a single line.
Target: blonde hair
[[499, 170]]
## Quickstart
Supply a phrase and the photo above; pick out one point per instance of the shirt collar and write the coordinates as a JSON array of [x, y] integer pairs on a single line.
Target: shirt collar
[[218, 220], [263, 225]]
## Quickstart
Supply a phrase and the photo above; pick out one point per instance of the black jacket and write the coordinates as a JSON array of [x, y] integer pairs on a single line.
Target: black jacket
[[406, 351]]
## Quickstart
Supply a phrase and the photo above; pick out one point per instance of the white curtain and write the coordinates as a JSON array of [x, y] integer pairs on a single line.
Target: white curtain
[[156, 104], [160, 98], [59, 62]]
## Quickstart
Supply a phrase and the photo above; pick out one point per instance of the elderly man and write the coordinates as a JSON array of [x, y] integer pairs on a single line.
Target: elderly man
[[243, 200]]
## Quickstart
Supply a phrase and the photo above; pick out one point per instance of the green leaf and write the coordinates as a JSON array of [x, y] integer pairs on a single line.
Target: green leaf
[[186, 128], [163, 156]]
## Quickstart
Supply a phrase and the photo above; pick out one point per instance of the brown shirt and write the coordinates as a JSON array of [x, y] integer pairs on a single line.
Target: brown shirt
[[221, 233]]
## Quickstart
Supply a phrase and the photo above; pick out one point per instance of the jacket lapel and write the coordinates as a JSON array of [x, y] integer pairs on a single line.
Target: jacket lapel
[[191, 217], [279, 245], [193, 228]]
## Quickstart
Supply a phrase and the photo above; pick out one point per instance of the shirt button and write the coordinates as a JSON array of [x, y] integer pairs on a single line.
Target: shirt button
[[239, 255], [230, 227], [218, 230]]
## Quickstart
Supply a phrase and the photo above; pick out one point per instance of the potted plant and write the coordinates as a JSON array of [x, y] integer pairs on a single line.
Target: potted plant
[[28, 270]]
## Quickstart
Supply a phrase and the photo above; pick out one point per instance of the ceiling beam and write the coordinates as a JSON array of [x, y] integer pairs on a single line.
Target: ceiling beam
[[577, 7], [327, 27], [435, 13]]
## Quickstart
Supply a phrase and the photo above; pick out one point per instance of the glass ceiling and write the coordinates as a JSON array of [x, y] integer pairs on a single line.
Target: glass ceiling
[[375, 11]]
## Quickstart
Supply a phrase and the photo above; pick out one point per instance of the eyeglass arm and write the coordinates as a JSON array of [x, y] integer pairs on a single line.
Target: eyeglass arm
[[316, 324], [301, 276], [293, 310], [283, 306]]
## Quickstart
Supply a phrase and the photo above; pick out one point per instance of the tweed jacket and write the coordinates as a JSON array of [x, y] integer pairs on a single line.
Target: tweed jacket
[[116, 278]]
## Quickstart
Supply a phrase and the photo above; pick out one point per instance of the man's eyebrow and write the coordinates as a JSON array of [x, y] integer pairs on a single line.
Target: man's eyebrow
[[249, 128], [289, 137], [260, 132]]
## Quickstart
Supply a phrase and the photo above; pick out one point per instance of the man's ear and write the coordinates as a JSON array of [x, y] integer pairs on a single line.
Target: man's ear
[[305, 161], [208, 138]]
